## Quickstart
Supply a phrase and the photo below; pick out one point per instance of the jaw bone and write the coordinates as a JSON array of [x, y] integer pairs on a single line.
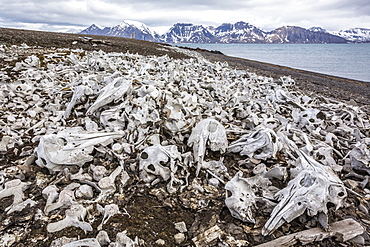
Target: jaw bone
[[312, 189]]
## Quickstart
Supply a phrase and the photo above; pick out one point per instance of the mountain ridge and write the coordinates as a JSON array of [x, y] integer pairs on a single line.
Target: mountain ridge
[[239, 32]]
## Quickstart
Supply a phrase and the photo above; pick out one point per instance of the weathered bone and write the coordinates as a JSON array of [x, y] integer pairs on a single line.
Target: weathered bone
[[113, 91], [360, 155], [91, 242], [242, 200], [311, 190], [109, 211], [207, 133], [70, 147], [65, 199], [150, 162], [74, 215], [15, 188], [78, 92], [263, 143], [107, 184]]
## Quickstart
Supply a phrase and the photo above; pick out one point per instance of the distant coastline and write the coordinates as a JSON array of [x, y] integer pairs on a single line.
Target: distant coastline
[[227, 33]]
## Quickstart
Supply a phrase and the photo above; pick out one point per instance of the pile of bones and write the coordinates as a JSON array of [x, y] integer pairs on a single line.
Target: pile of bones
[[175, 125]]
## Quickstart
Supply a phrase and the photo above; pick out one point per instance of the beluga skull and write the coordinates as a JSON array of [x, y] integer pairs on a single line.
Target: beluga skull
[[158, 162], [314, 187], [207, 133]]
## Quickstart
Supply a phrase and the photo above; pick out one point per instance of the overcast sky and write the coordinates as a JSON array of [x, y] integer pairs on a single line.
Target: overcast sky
[[61, 15]]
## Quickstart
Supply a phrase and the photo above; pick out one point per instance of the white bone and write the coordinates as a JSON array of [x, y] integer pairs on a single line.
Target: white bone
[[113, 91], [109, 211], [242, 199], [103, 238], [90, 242], [207, 133], [311, 190], [150, 162], [65, 199], [70, 147], [84, 191], [51, 193], [98, 172], [262, 143], [74, 215], [122, 240], [107, 184], [15, 188], [78, 92]]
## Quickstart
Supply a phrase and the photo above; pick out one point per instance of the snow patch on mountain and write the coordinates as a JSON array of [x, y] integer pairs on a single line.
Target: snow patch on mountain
[[239, 32], [354, 34]]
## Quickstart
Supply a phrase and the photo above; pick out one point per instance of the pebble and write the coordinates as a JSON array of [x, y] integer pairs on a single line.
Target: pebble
[[160, 242], [179, 238], [181, 226]]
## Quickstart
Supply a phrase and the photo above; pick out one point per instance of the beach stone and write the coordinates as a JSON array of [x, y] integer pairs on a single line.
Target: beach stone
[[181, 226], [160, 242], [179, 238]]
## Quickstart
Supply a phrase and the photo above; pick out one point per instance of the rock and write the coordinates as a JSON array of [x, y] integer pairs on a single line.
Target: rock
[[160, 242], [179, 238], [181, 226]]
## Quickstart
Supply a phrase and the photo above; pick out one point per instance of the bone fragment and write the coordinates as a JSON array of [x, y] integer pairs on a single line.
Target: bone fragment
[[345, 229]]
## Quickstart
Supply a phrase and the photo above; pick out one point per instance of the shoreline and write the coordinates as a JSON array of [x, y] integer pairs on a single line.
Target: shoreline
[[326, 85]]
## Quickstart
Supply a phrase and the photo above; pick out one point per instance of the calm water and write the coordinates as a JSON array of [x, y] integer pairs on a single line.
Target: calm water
[[344, 60]]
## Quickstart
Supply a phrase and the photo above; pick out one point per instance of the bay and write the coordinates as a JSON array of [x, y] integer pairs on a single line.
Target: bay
[[344, 60]]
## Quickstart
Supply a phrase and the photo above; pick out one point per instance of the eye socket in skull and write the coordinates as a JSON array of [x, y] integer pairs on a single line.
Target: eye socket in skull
[[144, 155], [157, 161]]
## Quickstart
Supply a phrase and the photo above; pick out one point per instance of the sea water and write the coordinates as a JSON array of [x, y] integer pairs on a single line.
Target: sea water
[[344, 60]]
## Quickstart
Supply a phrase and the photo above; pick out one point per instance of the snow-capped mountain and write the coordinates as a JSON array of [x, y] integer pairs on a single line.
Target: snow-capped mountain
[[354, 34], [126, 29], [188, 33], [292, 34], [239, 32]]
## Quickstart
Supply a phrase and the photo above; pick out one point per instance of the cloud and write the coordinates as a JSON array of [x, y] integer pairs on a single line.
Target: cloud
[[268, 14]]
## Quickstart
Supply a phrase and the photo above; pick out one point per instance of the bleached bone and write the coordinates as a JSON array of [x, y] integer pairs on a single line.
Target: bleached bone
[[216, 168], [98, 172], [263, 143], [114, 118], [103, 238], [311, 190], [78, 92], [109, 211], [207, 133], [84, 191], [113, 91], [74, 215], [20, 206], [65, 199], [150, 162], [15, 188], [71, 146], [122, 240], [107, 184], [360, 155], [50, 193], [242, 200], [91, 242], [308, 117]]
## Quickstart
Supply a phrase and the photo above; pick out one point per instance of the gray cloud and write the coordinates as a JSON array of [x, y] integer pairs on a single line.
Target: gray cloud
[[268, 14]]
